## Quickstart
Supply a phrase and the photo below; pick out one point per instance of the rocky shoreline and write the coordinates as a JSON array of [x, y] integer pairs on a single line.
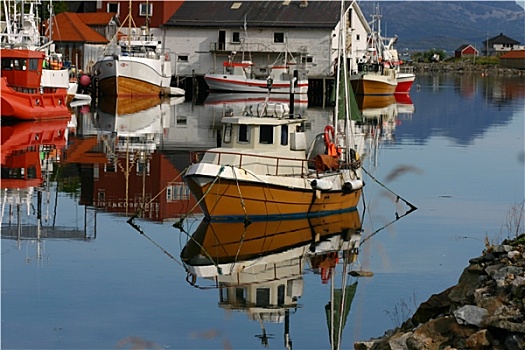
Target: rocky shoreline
[[484, 310], [465, 67]]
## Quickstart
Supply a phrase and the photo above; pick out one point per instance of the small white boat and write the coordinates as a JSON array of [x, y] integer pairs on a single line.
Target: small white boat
[[241, 77]]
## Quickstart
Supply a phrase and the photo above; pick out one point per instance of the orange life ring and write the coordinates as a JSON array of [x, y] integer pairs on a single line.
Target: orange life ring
[[329, 135]]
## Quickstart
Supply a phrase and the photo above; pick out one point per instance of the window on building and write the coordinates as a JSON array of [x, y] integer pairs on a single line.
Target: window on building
[[278, 38], [307, 59], [114, 7], [358, 37], [143, 168], [182, 58], [146, 9], [236, 37], [177, 192]]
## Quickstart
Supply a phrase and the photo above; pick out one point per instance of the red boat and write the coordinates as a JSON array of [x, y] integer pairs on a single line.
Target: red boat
[[22, 96], [404, 82]]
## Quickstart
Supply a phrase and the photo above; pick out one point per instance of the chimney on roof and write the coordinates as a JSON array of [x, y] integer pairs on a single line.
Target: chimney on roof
[[303, 4]]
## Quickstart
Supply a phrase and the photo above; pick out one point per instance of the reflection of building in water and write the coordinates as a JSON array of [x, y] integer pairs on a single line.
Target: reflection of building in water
[[259, 268], [29, 154], [123, 172]]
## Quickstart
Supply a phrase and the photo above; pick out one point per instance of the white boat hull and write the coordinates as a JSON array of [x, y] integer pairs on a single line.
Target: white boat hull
[[133, 76], [239, 83]]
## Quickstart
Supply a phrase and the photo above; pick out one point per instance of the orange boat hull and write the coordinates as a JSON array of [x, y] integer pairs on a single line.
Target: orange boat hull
[[33, 106], [228, 242], [128, 87], [372, 87], [231, 200]]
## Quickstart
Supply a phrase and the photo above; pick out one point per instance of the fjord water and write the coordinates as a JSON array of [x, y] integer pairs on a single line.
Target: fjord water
[[458, 158]]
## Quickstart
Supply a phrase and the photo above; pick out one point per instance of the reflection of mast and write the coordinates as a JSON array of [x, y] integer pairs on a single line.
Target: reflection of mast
[[338, 308]]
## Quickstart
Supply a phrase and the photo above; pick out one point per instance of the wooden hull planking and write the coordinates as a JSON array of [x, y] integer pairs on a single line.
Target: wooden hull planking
[[366, 86], [129, 87], [228, 242], [229, 199]]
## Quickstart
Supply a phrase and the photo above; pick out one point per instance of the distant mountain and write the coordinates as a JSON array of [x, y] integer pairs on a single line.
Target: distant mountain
[[422, 25]]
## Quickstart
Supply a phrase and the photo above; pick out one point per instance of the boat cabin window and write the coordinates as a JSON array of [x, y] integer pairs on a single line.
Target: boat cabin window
[[278, 38], [262, 296], [280, 295], [244, 133], [16, 64], [266, 134], [284, 135], [33, 64], [227, 133], [19, 173], [7, 64]]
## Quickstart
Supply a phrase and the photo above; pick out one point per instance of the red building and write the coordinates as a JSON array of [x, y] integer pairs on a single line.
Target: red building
[[465, 51], [157, 12]]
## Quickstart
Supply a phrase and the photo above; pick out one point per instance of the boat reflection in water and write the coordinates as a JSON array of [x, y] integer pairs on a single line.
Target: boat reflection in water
[[129, 131], [29, 154], [247, 103], [258, 268]]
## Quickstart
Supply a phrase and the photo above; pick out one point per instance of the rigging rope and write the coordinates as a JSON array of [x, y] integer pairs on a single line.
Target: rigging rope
[[178, 224], [398, 197]]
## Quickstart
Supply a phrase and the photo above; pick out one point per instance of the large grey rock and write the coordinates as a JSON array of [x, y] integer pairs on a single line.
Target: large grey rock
[[470, 315]]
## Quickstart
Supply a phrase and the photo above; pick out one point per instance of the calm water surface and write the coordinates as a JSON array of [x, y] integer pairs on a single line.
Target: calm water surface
[[95, 282]]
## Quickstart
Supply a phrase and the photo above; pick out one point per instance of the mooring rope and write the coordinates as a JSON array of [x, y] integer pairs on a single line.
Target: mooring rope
[[139, 230], [178, 224], [411, 208], [240, 195], [398, 197]]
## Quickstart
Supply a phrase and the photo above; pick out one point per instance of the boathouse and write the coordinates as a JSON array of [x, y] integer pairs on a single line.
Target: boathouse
[[466, 51]]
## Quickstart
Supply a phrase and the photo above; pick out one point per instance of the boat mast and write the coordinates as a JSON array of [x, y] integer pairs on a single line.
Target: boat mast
[[50, 20], [129, 26]]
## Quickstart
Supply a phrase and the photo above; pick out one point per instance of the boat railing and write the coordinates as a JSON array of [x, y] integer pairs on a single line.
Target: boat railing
[[241, 47], [406, 69], [273, 165], [17, 40]]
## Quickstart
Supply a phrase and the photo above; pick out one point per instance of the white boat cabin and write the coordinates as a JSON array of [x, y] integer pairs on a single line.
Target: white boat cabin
[[272, 144]]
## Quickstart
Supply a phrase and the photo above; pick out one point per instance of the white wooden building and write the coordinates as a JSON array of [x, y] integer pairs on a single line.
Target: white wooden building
[[202, 34]]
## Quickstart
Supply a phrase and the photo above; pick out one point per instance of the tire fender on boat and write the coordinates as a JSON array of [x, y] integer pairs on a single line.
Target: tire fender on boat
[[322, 185]]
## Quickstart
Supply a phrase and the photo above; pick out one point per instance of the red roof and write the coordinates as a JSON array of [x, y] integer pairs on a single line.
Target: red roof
[[514, 54], [67, 26], [96, 18]]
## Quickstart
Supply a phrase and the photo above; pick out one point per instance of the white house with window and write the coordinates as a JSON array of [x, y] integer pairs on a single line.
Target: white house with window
[[204, 33]]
